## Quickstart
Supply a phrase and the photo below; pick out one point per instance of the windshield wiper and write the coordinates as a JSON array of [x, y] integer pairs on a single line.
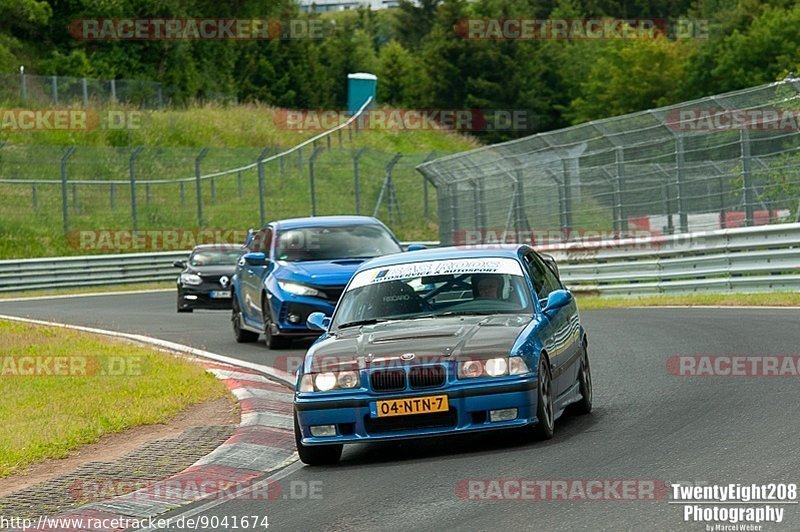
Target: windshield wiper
[[356, 323], [473, 313]]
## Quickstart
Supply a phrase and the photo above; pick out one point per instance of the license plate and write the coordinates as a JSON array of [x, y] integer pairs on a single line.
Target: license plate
[[220, 294], [414, 405]]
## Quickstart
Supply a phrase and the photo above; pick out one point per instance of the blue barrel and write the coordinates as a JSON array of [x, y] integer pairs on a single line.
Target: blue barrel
[[360, 87]]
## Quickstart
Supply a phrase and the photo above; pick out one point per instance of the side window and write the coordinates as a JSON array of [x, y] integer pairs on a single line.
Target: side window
[[544, 280], [262, 240]]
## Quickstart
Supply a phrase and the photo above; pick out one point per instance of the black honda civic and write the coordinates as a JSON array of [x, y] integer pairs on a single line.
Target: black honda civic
[[205, 282]]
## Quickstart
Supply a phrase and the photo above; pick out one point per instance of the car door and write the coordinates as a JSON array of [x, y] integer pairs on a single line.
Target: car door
[[251, 276], [560, 341]]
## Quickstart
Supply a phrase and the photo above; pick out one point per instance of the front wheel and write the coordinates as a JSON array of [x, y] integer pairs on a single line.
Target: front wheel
[[272, 341], [315, 455], [545, 412], [242, 336], [181, 308]]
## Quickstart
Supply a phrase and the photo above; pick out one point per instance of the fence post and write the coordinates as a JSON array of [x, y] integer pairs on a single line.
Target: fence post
[[85, 92], [112, 192], [722, 202], [132, 168], [619, 187], [23, 84], [239, 183], [183, 194], [311, 162], [679, 168], [35, 197], [113, 91], [199, 190], [747, 177], [667, 208], [357, 178], [261, 191], [147, 193], [430, 156], [328, 140], [213, 191], [64, 203], [54, 80], [300, 160], [388, 190], [567, 179], [339, 132]]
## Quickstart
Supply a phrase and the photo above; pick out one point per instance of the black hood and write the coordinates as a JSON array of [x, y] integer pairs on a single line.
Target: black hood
[[430, 339]]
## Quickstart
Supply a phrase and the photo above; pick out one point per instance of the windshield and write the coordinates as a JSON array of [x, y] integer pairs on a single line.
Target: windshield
[[215, 257], [434, 289], [330, 243]]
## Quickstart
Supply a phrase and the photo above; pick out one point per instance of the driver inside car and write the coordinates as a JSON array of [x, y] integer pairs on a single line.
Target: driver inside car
[[487, 286]]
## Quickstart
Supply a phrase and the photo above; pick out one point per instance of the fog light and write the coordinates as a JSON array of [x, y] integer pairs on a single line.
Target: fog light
[[190, 298], [506, 414], [293, 318], [322, 431]]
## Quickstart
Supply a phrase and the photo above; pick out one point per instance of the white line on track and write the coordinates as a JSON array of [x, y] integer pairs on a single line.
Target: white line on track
[[87, 294], [164, 344], [261, 485]]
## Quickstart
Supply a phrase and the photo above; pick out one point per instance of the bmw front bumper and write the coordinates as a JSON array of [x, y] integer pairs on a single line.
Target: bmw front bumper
[[470, 404]]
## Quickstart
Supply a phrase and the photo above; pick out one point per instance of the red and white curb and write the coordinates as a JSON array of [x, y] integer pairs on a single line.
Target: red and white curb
[[263, 442]]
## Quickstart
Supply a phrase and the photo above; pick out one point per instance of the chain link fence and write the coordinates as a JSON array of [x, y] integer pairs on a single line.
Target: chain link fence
[[723, 161], [69, 189], [26, 89]]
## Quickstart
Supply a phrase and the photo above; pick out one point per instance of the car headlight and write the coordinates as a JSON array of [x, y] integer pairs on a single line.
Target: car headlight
[[330, 380], [492, 367], [299, 289], [191, 279]]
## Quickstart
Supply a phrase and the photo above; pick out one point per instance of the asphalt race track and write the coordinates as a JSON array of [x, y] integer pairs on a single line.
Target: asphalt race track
[[647, 425]]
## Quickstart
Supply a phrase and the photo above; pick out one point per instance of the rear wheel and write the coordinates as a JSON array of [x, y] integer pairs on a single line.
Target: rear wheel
[[242, 336], [314, 455], [584, 406], [545, 411]]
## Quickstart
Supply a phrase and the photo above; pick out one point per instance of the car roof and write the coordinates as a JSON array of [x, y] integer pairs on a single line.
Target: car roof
[[325, 221], [510, 251], [220, 246]]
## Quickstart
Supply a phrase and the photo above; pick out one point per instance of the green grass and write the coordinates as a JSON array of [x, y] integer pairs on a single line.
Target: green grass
[[49, 416], [777, 299], [173, 138]]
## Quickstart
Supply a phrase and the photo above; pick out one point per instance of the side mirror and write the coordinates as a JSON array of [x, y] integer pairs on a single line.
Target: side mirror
[[551, 262], [416, 247], [318, 321], [179, 263], [557, 300], [255, 259]]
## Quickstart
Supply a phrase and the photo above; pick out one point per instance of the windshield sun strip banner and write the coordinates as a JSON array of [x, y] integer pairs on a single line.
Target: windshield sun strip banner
[[437, 267]]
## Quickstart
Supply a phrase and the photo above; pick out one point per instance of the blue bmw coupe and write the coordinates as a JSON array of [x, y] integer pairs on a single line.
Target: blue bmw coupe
[[442, 341]]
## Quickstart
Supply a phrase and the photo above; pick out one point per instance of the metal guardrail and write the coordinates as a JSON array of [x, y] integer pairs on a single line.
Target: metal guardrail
[[753, 259]]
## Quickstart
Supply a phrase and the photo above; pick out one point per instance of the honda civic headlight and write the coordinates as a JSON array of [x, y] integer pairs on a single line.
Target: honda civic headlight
[[191, 279], [330, 380], [492, 367], [299, 289]]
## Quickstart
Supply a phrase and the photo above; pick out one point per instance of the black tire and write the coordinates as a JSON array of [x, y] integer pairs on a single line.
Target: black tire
[[181, 308], [316, 455], [270, 340], [545, 411], [584, 406], [242, 336]]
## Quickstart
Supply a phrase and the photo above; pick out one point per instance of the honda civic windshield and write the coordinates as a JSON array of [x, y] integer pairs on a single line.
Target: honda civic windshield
[[331, 243]]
